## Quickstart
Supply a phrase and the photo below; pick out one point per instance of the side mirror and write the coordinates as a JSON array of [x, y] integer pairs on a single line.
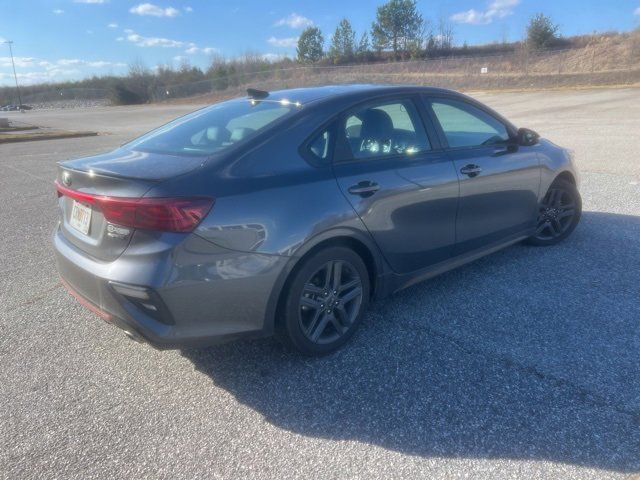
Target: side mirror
[[527, 137]]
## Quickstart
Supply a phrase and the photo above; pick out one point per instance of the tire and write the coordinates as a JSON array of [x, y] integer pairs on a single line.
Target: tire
[[323, 309], [558, 214]]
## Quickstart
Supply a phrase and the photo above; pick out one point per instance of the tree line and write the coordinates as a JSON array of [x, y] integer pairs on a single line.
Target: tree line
[[399, 32], [399, 29]]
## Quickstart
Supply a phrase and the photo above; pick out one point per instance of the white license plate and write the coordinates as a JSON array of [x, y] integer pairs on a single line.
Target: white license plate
[[80, 217]]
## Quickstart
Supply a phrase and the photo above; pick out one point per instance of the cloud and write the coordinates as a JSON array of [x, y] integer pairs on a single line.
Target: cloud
[[294, 21], [32, 70], [32, 78], [76, 62], [194, 49], [69, 61], [142, 41], [150, 9], [496, 9], [19, 61], [636, 12], [188, 9], [57, 11], [112, 25], [273, 57], [288, 42]]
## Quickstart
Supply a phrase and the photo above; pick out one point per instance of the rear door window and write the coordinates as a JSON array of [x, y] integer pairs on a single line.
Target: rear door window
[[386, 129]]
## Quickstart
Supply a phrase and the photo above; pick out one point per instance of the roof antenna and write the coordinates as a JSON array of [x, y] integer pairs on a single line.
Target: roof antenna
[[257, 94]]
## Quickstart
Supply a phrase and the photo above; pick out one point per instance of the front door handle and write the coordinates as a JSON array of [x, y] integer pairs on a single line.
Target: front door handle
[[365, 188], [472, 170]]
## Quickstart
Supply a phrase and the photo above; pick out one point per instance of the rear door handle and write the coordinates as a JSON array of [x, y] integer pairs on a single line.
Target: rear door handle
[[365, 188], [472, 170]]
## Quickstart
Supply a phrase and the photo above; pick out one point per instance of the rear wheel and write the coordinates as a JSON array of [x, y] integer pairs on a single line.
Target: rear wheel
[[558, 214], [325, 302]]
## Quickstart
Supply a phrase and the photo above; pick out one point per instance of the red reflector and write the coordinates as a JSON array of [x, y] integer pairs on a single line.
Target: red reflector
[[179, 214]]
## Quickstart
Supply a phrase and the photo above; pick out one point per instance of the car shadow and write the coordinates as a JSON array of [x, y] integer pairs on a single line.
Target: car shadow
[[530, 353]]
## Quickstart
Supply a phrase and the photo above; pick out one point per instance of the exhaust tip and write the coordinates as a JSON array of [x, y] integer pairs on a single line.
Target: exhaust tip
[[132, 336]]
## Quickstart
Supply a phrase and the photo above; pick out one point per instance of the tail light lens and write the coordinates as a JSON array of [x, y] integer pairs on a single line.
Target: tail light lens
[[179, 214]]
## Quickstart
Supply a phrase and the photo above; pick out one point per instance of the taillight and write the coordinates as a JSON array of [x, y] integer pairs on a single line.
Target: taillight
[[179, 214]]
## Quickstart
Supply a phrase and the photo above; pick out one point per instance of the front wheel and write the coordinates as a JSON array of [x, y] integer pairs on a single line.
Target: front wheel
[[558, 214], [325, 302]]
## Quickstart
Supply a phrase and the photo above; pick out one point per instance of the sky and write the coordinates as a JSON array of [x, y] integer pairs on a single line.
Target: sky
[[56, 40]]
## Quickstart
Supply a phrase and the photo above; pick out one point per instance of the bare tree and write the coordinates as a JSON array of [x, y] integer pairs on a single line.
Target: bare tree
[[445, 34]]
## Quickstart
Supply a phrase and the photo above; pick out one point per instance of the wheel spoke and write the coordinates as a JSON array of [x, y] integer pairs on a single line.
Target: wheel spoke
[[559, 227], [541, 228], [337, 274], [339, 325], [319, 327], [348, 285], [312, 289], [553, 227], [351, 295], [327, 275], [313, 324], [310, 302], [547, 200], [566, 213], [342, 315]]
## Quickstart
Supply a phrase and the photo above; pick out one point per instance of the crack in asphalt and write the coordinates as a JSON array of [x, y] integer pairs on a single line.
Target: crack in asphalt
[[42, 294], [583, 394]]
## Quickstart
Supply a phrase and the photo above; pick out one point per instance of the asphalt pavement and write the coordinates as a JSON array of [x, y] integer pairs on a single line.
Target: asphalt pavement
[[524, 364]]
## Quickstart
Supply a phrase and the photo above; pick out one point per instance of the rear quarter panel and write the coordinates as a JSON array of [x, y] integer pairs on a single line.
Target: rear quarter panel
[[269, 199]]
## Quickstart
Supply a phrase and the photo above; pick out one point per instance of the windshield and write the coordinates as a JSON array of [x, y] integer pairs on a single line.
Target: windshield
[[212, 129]]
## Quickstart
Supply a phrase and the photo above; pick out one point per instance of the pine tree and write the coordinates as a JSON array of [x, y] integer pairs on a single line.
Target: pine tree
[[398, 25], [310, 45], [364, 47], [343, 43]]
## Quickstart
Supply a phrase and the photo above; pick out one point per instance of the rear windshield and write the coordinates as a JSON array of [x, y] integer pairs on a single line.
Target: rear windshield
[[213, 129]]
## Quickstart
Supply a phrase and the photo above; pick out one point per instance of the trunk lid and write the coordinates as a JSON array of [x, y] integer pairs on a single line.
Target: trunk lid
[[136, 164], [120, 173], [102, 240]]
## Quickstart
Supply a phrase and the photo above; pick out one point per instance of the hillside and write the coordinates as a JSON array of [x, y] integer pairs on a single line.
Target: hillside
[[610, 59], [584, 61]]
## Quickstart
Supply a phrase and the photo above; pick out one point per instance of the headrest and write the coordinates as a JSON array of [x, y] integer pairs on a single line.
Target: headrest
[[238, 134], [376, 124]]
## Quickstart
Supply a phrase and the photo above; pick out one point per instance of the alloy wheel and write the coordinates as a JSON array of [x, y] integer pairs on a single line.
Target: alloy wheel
[[330, 302], [555, 214]]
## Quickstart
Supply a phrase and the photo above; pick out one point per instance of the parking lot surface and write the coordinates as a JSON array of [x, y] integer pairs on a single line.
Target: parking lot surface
[[524, 364]]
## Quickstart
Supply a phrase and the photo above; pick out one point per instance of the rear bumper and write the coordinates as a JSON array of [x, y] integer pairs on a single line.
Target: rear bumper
[[194, 293]]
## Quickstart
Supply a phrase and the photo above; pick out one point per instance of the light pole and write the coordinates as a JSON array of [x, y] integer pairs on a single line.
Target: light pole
[[15, 76]]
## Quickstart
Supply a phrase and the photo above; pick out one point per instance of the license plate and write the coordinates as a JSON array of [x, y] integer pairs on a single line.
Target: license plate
[[80, 217]]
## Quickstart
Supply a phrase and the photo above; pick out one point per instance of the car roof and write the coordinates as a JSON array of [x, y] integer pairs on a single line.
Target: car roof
[[308, 95]]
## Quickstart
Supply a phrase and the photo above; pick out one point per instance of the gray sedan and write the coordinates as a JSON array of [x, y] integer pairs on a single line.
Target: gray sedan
[[288, 212]]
